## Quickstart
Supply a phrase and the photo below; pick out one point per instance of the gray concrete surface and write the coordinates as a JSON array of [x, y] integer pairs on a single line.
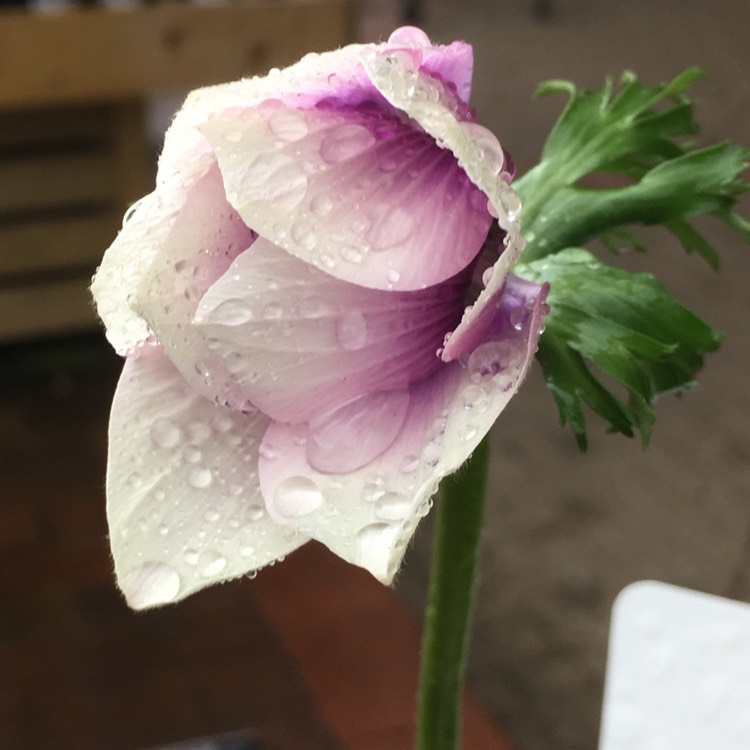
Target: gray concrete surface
[[566, 532]]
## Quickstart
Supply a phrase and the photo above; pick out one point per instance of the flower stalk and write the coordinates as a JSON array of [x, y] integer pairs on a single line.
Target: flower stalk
[[451, 604]]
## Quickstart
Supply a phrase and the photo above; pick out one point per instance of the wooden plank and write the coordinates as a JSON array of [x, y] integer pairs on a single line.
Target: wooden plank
[[358, 649], [52, 244], [134, 166], [97, 54], [57, 179], [61, 307], [51, 126]]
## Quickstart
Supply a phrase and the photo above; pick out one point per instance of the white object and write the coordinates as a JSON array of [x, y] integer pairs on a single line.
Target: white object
[[678, 671]]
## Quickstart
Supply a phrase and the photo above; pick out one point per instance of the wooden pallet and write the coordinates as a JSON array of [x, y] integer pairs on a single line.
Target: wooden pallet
[[73, 149]]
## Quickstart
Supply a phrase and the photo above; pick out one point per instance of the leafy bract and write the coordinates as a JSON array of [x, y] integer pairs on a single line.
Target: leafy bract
[[630, 135], [608, 326], [628, 326]]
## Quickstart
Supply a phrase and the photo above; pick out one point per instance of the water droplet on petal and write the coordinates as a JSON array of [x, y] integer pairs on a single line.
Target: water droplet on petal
[[288, 124], [490, 153], [391, 229], [392, 275], [198, 432], [200, 477], [276, 178], [303, 234], [247, 551], [212, 515], [191, 556], [222, 423], [410, 464], [297, 496], [393, 506], [192, 454], [230, 312], [345, 142], [255, 512], [233, 136], [165, 433], [150, 584], [351, 331], [409, 36], [211, 564], [321, 204], [518, 316], [371, 492], [272, 311]]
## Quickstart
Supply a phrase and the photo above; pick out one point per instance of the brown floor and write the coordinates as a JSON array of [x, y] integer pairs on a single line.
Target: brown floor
[[313, 653]]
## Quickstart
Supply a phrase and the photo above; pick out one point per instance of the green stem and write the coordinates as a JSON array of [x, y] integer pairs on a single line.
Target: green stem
[[451, 603]]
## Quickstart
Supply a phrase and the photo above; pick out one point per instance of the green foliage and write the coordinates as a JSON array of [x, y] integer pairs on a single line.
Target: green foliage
[[628, 326], [604, 320]]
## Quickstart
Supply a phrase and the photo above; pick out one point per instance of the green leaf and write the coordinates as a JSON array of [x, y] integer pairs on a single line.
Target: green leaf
[[626, 326], [633, 133]]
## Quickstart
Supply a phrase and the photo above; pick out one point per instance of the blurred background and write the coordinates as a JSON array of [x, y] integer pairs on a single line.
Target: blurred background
[[565, 532]]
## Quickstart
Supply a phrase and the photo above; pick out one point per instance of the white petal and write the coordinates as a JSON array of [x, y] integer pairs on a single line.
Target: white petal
[[368, 516], [202, 240], [183, 500], [146, 227]]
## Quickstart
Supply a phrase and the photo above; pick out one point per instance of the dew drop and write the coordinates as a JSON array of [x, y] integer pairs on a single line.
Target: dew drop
[[303, 234], [192, 454], [230, 312], [163, 529], [288, 124], [392, 275], [150, 584], [211, 564], [490, 153], [255, 512], [351, 331], [212, 515], [200, 477], [321, 204], [350, 254], [393, 506], [371, 492], [345, 142], [272, 311], [394, 228], [165, 433], [518, 317], [247, 551], [222, 423], [297, 496], [191, 556], [233, 136], [432, 454]]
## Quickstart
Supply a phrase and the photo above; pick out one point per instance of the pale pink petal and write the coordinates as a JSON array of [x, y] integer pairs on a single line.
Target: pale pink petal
[[367, 516], [183, 500], [500, 291], [477, 150], [300, 343], [336, 75], [146, 227], [202, 240], [357, 193]]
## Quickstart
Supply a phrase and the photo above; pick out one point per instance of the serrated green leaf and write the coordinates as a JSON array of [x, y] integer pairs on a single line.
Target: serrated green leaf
[[628, 326], [633, 133]]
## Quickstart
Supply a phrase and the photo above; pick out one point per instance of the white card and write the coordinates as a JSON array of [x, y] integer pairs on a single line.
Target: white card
[[678, 671]]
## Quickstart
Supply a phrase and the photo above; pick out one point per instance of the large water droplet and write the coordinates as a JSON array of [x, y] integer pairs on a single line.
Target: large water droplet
[[276, 178], [409, 36], [211, 564], [192, 454], [345, 142], [351, 331], [200, 477], [490, 153], [297, 496], [288, 124], [230, 312], [391, 229], [393, 506], [150, 584], [165, 433], [198, 432]]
